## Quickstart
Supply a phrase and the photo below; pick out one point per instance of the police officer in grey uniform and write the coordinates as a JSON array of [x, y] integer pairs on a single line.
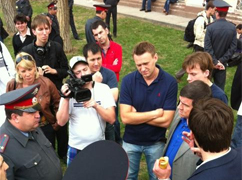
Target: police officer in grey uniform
[[24, 7], [220, 42], [52, 11], [23, 145], [101, 13]]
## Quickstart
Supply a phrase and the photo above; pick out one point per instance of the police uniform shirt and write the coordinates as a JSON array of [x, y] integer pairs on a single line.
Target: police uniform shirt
[[29, 158]]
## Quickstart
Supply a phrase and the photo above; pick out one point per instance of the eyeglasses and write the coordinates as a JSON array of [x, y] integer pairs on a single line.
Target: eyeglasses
[[25, 57]]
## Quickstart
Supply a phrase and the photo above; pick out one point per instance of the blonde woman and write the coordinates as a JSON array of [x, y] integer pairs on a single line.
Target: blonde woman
[[48, 96]]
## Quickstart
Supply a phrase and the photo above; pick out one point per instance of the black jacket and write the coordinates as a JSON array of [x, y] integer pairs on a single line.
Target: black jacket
[[18, 44], [24, 7], [236, 89], [54, 56], [3, 32]]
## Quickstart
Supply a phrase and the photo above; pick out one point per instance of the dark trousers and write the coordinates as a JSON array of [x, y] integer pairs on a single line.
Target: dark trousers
[[118, 138], [109, 132], [197, 48], [219, 78], [112, 10], [61, 135], [62, 140], [72, 23], [49, 133]]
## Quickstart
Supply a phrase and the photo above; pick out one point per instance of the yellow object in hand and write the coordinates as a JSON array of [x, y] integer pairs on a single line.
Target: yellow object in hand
[[163, 162]]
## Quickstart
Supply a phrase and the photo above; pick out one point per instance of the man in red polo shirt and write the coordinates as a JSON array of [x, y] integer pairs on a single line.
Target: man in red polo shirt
[[111, 51]]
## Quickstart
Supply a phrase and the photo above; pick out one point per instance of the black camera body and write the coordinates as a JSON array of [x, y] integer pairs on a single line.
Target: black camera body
[[75, 85]]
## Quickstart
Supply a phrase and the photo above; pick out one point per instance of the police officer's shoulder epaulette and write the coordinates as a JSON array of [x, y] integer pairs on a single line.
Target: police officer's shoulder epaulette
[[4, 138]]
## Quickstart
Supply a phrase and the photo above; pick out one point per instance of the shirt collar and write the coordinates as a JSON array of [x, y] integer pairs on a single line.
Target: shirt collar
[[27, 33], [213, 158], [18, 135]]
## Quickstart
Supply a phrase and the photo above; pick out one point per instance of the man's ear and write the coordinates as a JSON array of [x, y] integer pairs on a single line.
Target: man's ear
[[107, 31], [34, 32], [156, 57], [14, 117], [206, 73]]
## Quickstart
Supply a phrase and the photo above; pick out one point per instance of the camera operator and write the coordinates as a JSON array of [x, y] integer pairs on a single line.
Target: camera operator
[[87, 119]]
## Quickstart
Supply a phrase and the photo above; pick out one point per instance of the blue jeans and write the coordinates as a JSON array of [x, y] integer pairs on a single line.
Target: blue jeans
[[134, 153], [167, 6], [148, 4], [237, 135]]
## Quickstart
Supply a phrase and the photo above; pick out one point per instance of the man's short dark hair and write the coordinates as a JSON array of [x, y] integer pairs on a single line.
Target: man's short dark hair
[[20, 18], [93, 47], [196, 90], [15, 111], [222, 14], [144, 47], [98, 23], [209, 5], [203, 59], [239, 26], [211, 122]]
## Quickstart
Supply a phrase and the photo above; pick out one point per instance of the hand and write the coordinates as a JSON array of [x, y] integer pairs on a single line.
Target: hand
[[189, 139], [65, 90], [115, 62], [133, 109], [219, 66], [28, 18], [55, 126], [3, 168], [40, 70], [90, 103], [97, 77], [159, 112], [48, 70], [161, 173]]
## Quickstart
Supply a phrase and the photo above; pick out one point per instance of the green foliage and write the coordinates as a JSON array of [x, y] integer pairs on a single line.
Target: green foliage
[[169, 43]]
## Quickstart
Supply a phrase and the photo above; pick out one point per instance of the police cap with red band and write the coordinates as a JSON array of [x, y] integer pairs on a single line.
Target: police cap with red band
[[22, 99], [52, 4], [101, 7], [221, 5]]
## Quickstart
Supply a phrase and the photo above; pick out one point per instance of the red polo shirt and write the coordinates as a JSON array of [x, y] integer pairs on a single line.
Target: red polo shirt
[[114, 52]]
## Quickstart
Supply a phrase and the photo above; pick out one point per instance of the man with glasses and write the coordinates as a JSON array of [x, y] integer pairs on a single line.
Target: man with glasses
[[220, 42], [101, 13]]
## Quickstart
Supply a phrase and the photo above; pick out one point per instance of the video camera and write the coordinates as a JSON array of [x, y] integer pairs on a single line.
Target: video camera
[[75, 85]]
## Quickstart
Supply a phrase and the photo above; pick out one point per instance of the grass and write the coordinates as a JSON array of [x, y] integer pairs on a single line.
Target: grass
[[168, 41]]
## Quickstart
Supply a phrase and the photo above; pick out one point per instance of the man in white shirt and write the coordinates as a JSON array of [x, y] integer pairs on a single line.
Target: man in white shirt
[[87, 118]]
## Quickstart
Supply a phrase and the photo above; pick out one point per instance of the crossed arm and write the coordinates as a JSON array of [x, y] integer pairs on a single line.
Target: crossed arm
[[157, 117]]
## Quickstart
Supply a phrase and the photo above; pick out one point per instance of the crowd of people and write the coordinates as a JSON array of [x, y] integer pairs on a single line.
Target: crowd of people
[[42, 115]]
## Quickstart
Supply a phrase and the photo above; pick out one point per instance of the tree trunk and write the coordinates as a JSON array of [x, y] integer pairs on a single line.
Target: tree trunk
[[63, 18], [9, 11]]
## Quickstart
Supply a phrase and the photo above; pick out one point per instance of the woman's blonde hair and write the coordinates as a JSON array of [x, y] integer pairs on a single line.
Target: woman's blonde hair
[[26, 61]]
